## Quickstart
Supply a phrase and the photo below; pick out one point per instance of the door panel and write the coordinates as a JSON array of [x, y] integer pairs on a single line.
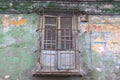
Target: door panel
[[48, 60], [66, 55], [48, 53], [66, 60]]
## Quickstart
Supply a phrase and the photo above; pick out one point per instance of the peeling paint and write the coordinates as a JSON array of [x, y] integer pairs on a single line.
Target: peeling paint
[[18, 43], [105, 46], [7, 21], [7, 76]]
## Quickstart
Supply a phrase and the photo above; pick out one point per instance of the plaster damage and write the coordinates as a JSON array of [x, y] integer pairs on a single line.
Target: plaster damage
[[17, 45], [99, 42], [105, 45]]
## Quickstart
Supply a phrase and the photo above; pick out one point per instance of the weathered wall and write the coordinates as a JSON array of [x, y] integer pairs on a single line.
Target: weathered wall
[[99, 40], [104, 46], [17, 45]]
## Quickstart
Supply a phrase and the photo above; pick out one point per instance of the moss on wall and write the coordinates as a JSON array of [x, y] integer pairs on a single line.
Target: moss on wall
[[17, 57], [17, 47]]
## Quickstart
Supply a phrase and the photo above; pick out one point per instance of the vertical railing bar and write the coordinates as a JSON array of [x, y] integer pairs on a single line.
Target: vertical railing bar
[[46, 32], [44, 62], [64, 38], [50, 39], [70, 39], [59, 41], [46, 39], [69, 47], [65, 45], [51, 48], [50, 63]]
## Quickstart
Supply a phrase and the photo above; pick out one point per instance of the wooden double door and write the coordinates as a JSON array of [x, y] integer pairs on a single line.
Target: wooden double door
[[58, 47]]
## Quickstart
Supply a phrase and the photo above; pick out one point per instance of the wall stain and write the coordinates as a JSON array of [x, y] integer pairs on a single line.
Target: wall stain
[[7, 21]]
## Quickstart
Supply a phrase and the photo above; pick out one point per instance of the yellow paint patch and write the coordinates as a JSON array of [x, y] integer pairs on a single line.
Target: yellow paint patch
[[99, 40], [7, 22], [18, 23]]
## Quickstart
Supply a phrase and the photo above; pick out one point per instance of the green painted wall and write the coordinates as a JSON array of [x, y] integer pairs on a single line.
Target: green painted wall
[[17, 45], [17, 57]]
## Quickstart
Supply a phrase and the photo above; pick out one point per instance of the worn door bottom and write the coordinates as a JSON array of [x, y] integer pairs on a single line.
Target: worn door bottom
[[57, 73]]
